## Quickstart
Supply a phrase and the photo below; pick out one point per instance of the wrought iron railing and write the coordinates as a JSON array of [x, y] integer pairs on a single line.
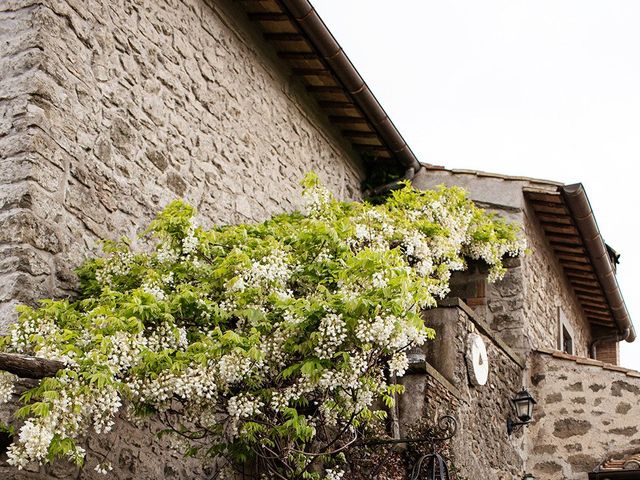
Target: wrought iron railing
[[430, 466]]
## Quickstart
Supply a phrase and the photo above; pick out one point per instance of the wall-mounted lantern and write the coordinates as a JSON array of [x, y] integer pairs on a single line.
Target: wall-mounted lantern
[[523, 404], [528, 476]]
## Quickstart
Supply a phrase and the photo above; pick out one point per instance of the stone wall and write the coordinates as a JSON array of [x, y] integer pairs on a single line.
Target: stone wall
[[548, 295], [524, 308], [587, 412], [110, 109], [134, 452], [25, 245], [482, 447], [500, 304]]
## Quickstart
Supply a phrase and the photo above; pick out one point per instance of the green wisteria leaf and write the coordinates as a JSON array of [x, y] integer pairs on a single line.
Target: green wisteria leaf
[[273, 343]]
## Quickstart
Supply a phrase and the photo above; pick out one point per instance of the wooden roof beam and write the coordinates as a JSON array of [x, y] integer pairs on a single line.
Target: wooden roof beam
[[583, 266], [336, 104], [324, 89], [347, 120], [575, 257], [550, 209], [545, 203], [268, 17], [564, 247], [371, 148], [549, 217], [589, 292], [283, 37], [597, 310], [312, 71], [599, 317], [564, 239], [590, 297], [359, 134], [556, 224], [587, 284], [602, 323], [593, 307], [289, 55]]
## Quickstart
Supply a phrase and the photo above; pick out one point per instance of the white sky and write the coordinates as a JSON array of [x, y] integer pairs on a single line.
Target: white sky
[[540, 88]]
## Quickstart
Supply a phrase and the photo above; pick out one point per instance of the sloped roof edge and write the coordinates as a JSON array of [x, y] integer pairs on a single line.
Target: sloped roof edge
[[482, 174], [557, 354], [303, 42], [332, 53], [573, 218], [582, 213]]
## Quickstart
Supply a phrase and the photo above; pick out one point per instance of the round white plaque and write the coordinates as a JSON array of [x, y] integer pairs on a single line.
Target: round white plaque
[[477, 360]]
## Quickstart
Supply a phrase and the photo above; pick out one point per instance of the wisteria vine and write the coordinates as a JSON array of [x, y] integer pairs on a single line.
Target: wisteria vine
[[274, 343]]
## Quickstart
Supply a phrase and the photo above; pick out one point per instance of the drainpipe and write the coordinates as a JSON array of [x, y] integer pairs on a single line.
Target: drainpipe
[[618, 337], [387, 187]]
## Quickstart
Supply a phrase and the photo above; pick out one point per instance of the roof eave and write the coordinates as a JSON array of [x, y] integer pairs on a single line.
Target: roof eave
[[578, 203], [332, 53]]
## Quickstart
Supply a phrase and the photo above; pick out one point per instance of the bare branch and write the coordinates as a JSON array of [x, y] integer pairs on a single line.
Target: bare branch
[[26, 366]]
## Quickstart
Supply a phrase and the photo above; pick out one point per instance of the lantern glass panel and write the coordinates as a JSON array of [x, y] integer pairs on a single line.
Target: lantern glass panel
[[522, 409], [523, 404]]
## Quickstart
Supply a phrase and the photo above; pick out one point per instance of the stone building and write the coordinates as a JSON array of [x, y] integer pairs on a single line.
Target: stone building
[[553, 324], [110, 109]]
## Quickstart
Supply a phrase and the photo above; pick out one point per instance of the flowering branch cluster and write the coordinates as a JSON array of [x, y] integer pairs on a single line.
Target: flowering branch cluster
[[272, 343]]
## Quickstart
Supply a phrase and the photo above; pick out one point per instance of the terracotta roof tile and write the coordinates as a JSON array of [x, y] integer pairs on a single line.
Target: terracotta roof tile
[[631, 462], [615, 368], [589, 361]]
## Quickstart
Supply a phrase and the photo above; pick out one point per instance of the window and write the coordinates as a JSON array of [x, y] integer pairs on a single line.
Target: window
[[565, 334], [567, 341]]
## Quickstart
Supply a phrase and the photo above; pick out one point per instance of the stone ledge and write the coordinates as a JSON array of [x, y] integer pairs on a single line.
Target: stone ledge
[[421, 366], [483, 327], [590, 361], [615, 368], [480, 173], [587, 361], [431, 371]]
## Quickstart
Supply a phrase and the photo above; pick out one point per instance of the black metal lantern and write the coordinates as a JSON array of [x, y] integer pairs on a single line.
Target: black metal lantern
[[528, 476], [523, 404]]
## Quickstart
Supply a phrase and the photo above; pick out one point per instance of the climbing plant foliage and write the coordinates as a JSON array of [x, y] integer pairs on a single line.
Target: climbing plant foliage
[[274, 345]]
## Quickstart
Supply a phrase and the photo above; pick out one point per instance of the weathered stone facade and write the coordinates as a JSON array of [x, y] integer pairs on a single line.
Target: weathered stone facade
[[526, 307], [481, 447], [588, 411], [24, 270], [110, 109], [548, 297]]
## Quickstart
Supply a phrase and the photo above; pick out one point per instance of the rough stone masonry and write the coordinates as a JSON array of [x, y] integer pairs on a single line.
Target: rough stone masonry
[[109, 109], [587, 410]]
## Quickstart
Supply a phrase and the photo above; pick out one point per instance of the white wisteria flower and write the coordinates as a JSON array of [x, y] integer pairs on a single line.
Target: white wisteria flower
[[250, 339]]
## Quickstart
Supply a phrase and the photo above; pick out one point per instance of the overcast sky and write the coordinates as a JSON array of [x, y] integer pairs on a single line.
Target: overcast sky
[[540, 88]]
